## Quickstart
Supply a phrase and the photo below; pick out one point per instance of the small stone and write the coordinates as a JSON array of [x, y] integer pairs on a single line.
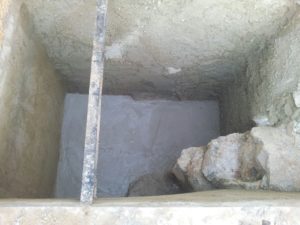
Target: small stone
[[296, 97], [188, 170], [266, 222], [296, 127], [154, 185], [262, 120]]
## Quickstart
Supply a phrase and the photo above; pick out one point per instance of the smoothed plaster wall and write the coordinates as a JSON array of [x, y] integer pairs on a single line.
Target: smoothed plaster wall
[[269, 90], [136, 138], [31, 107]]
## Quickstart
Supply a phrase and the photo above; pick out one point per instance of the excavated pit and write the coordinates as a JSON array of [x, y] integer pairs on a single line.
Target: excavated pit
[[169, 83]]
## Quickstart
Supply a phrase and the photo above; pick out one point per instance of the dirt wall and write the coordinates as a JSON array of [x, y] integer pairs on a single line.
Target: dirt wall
[[31, 107]]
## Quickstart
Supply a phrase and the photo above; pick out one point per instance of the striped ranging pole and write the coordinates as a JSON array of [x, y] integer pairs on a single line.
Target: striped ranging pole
[[91, 147]]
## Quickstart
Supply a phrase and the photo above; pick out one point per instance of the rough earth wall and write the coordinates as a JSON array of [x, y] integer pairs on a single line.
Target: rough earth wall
[[267, 92], [180, 49], [31, 106]]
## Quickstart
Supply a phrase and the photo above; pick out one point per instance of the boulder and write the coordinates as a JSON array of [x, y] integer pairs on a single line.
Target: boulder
[[229, 162], [153, 185], [222, 162], [188, 172]]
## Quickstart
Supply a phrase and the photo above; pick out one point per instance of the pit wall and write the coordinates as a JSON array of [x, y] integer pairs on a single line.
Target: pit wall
[[267, 92], [31, 107], [4, 7]]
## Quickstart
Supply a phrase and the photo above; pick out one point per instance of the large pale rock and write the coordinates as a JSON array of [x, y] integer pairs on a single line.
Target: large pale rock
[[278, 154], [154, 184], [221, 161], [188, 170], [229, 162]]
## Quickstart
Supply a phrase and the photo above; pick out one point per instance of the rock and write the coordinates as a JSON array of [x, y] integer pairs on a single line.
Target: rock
[[229, 162], [221, 161], [264, 158], [188, 170], [154, 184], [296, 96], [278, 154], [262, 120]]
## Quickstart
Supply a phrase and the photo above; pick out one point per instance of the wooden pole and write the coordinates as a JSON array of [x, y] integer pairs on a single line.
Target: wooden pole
[[91, 148]]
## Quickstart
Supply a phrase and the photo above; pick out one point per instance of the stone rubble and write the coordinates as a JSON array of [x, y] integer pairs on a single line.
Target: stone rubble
[[264, 158]]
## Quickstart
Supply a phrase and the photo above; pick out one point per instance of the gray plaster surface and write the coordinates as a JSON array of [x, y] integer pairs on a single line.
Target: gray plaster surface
[[136, 138]]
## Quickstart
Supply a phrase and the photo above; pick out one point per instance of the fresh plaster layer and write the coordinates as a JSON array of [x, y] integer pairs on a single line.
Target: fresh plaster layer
[[268, 93], [205, 43], [205, 208], [31, 107], [136, 138]]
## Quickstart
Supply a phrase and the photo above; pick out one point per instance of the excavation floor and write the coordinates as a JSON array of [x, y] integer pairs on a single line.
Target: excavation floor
[[136, 138]]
